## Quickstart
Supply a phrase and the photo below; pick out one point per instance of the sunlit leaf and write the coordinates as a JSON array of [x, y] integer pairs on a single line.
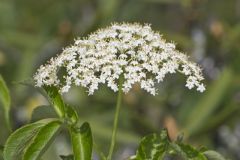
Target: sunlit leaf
[[18, 141], [153, 146], [33, 138], [82, 142], [42, 140]]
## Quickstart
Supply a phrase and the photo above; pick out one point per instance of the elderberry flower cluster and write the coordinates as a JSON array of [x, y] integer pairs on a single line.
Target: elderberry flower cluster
[[133, 51]]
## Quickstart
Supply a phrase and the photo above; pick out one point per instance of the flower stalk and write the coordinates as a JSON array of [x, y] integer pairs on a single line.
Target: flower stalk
[[116, 117]]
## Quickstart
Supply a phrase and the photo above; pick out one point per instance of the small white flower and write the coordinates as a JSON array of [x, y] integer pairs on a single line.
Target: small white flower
[[134, 51], [65, 88], [201, 88]]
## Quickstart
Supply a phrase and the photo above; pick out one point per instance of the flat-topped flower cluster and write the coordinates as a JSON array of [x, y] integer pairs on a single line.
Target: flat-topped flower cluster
[[133, 51]]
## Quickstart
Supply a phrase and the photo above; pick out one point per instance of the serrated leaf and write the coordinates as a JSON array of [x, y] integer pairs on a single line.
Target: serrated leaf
[[212, 155], [19, 139], [6, 100], [175, 150], [153, 146], [56, 100], [42, 140], [68, 157], [82, 142], [190, 152]]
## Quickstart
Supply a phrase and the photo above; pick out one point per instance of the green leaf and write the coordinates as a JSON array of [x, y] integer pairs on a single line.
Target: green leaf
[[68, 157], [56, 100], [190, 152], [212, 155], [71, 115], [159, 146], [42, 140], [43, 112], [82, 142], [19, 139], [32, 138], [153, 146], [6, 100]]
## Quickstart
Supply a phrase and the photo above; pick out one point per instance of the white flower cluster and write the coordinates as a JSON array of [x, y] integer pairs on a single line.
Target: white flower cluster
[[133, 51]]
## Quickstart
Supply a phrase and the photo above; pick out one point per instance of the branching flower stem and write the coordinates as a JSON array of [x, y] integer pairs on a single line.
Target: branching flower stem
[[116, 117]]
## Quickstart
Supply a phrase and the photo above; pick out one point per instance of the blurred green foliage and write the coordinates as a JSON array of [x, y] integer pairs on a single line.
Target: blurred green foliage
[[208, 30]]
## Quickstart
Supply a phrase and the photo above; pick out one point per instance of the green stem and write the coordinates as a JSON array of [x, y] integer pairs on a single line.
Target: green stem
[[102, 156], [116, 117]]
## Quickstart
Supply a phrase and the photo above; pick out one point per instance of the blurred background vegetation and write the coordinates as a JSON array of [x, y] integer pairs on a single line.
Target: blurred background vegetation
[[208, 30]]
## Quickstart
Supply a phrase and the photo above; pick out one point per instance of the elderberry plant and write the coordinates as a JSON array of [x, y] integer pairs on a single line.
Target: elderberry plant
[[134, 51], [118, 56]]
